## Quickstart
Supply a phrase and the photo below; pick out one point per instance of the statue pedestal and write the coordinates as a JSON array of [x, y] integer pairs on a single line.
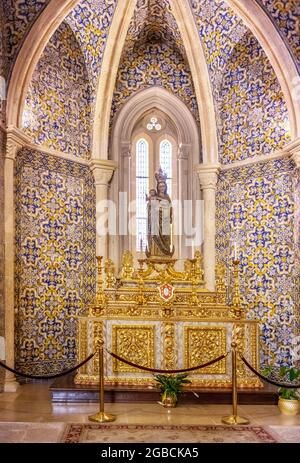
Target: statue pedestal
[[159, 260]]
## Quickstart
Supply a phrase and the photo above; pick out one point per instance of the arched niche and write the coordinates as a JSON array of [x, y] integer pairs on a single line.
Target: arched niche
[[181, 129]]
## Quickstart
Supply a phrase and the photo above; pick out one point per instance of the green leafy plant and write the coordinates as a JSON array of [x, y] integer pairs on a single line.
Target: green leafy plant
[[171, 385], [290, 373]]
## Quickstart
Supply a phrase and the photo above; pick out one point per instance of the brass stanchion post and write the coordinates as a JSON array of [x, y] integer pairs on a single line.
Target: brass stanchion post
[[101, 416], [234, 419]]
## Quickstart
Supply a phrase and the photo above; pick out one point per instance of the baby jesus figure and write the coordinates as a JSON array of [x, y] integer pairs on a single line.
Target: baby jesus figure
[[152, 195]]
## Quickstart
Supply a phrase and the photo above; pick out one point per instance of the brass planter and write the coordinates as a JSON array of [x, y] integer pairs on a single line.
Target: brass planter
[[289, 407], [169, 402]]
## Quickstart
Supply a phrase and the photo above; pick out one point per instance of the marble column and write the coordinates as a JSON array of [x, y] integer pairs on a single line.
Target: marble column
[[184, 187], [2, 315], [13, 144], [208, 177], [127, 241], [103, 171]]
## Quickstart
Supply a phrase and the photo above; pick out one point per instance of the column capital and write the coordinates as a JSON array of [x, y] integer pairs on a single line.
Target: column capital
[[103, 170], [296, 159], [293, 149], [208, 175], [15, 140]]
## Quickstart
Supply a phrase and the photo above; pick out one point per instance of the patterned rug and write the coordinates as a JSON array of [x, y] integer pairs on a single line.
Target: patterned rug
[[43, 432], [123, 433]]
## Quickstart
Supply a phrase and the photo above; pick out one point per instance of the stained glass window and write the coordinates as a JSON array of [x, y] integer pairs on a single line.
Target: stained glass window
[[165, 159], [142, 188]]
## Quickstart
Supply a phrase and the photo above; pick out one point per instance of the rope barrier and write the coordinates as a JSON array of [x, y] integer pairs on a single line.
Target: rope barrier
[[57, 375], [156, 370], [264, 378]]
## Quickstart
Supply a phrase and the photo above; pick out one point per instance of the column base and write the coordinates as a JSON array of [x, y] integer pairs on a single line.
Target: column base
[[11, 385]]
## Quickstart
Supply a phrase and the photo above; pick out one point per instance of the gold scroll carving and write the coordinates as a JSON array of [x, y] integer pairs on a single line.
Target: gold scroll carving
[[133, 343], [136, 307], [169, 346], [203, 344], [97, 338], [83, 347]]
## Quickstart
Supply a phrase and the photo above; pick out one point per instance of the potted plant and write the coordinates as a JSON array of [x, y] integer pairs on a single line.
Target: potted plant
[[288, 403], [171, 387]]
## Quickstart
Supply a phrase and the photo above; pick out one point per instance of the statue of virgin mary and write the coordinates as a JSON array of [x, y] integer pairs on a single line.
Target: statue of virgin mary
[[160, 217]]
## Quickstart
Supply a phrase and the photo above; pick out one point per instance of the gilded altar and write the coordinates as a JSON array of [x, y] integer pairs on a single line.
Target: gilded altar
[[158, 317]]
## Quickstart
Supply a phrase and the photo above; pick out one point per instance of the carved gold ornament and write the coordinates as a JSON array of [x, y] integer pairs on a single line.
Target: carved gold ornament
[[157, 315]]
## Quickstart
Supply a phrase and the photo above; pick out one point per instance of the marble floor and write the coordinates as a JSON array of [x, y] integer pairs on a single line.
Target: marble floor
[[32, 403]]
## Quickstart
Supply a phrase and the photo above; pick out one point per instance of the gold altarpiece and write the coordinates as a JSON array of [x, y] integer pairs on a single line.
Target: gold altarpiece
[[158, 317]]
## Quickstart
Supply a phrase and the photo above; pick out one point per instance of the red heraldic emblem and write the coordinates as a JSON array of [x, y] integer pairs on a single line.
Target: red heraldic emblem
[[166, 292]]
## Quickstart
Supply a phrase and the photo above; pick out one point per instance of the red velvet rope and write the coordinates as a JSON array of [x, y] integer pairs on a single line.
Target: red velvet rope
[[264, 378], [156, 370], [57, 375]]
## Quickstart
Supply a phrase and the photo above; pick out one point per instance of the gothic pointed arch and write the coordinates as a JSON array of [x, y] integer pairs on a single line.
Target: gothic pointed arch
[[107, 78], [29, 55], [196, 61], [278, 54], [198, 65], [156, 97], [129, 126], [57, 10]]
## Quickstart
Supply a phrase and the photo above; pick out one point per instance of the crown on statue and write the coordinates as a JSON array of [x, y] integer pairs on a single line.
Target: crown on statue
[[161, 176]]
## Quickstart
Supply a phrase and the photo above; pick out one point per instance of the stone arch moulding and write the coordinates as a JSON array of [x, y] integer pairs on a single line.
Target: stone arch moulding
[[188, 144], [274, 47], [196, 58], [198, 66], [259, 24], [29, 55], [107, 80], [57, 10], [161, 99]]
